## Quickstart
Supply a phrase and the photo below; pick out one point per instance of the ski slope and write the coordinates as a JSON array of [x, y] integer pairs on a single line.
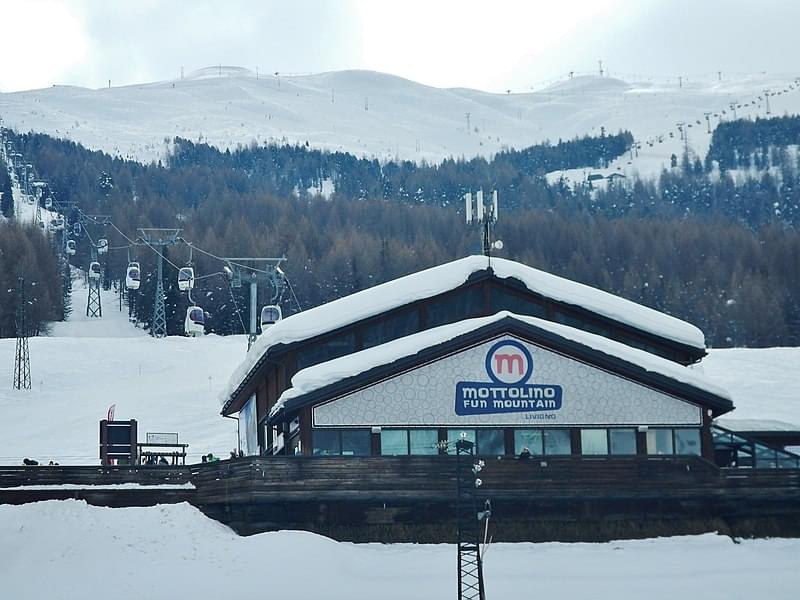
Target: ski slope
[[383, 116]]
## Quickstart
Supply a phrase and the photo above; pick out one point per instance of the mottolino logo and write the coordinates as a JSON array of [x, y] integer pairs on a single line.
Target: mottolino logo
[[510, 367]]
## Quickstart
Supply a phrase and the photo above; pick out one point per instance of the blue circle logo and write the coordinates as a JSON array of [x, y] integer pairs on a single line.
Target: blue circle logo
[[508, 362]]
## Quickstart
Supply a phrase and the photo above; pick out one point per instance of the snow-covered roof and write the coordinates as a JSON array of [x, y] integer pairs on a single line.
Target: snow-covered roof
[[323, 374], [442, 278], [735, 424]]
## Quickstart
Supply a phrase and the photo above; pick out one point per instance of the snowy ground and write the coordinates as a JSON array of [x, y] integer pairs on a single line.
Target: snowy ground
[[72, 550], [375, 114]]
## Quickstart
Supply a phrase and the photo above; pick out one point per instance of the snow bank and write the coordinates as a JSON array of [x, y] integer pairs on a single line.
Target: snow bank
[[320, 375], [67, 550], [448, 276]]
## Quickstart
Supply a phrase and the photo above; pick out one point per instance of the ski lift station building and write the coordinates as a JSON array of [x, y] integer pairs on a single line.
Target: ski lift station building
[[503, 354]]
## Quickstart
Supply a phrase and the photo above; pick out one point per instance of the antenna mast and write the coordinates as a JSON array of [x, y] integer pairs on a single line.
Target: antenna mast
[[485, 215]]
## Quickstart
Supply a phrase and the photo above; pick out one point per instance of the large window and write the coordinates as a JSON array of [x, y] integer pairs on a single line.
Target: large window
[[453, 435], [622, 441], [532, 439], [344, 442], [557, 441], [687, 441], [491, 442], [463, 304], [423, 441], [394, 442], [392, 328], [659, 441], [594, 441], [324, 351]]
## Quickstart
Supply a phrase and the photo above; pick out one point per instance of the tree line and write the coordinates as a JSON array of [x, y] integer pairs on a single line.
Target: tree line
[[715, 251]]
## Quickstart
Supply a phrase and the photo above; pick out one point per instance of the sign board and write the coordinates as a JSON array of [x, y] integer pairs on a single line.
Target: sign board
[[506, 382], [118, 441], [248, 428], [163, 438]]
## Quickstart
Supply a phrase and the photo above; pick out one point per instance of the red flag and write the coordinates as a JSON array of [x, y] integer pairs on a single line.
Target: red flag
[[111, 412]]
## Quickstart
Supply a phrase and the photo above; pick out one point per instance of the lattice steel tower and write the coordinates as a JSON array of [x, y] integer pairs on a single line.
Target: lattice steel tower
[[94, 307], [159, 238], [22, 359], [470, 568]]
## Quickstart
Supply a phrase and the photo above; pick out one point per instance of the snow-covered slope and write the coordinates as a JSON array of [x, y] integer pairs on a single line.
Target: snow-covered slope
[[72, 550], [374, 114]]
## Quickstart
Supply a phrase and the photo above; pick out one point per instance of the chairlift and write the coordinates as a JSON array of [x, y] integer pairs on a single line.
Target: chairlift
[[76, 229], [48, 202], [71, 247], [102, 246], [57, 224], [185, 279], [195, 323], [94, 270], [133, 276], [270, 315]]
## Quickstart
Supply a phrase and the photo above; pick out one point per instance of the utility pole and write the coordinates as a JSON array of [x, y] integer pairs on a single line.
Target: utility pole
[[766, 96], [708, 121], [732, 106], [159, 239], [22, 359], [270, 267]]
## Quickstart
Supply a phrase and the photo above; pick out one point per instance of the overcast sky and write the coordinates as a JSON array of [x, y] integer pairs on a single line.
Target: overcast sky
[[489, 44]]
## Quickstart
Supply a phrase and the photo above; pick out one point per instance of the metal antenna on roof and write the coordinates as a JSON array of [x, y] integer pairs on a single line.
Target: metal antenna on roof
[[485, 215]]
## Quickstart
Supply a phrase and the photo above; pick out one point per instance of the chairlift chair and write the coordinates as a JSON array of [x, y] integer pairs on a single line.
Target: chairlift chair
[[102, 246], [48, 202], [133, 276], [76, 229], [57, 224], [95, 270], [195, 323], [185, 279], [71, 247], [270, 315]]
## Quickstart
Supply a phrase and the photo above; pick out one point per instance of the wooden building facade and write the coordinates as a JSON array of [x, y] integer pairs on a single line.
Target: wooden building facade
[[619, 373]]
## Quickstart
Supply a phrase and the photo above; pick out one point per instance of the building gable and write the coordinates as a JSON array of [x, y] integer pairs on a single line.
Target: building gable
[[506, 381]]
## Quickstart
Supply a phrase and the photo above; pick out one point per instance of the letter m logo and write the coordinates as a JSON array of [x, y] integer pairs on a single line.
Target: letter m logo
[[508, 361]]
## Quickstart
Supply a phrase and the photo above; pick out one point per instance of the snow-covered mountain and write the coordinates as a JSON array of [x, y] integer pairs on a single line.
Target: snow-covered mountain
[[379, 115]]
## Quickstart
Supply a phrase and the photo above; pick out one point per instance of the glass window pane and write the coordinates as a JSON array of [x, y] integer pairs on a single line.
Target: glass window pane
[[355, 442], [687, 441], [530, 439], [594, 441], [556, 441], [623, 441], [424, 441], [491, 442], [659, 441], [326, 442], [765, 457], [394, 442], [453, 435]]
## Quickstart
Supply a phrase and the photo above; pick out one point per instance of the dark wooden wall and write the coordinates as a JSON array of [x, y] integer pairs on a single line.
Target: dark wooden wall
[[392, 499]]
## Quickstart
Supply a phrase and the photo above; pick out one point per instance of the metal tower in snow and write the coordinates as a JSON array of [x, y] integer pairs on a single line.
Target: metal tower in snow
[[22, 359], [470, 567], [94, 309], [158, 239], [485, 215]]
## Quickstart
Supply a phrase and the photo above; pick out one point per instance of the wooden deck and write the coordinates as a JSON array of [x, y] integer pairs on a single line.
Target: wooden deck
[[411, 498]]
